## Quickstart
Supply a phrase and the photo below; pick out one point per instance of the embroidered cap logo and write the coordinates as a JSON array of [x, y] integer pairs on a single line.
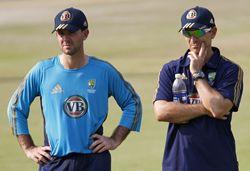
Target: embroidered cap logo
[[192, 14], [66, 16]]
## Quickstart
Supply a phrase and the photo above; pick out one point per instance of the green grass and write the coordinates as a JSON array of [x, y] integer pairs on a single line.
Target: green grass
[[137, 37]]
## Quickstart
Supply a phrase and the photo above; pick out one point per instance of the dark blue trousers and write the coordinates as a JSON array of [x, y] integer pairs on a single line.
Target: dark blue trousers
[[79, 162]]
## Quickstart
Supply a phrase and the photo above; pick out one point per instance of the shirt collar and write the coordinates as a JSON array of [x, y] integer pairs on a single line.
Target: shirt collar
[[212, 63]]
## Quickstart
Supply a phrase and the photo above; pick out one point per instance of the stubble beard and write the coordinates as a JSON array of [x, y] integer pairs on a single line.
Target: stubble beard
[[71, 51]]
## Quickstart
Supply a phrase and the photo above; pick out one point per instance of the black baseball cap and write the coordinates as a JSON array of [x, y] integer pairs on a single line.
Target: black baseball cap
[[71, 19], [197, 18]]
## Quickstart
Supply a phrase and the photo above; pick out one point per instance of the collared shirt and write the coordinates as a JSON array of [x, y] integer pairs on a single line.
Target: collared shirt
[[74, 103], [205, 143]]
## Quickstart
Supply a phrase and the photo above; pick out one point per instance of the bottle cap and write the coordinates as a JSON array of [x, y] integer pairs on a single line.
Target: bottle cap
[[178, 76]]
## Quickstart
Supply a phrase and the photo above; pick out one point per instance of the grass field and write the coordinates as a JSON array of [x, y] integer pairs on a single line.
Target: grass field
[[136, 36]]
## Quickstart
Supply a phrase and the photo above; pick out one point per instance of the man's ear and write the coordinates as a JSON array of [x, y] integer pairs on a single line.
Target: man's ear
[[214, 31], [85, 33]]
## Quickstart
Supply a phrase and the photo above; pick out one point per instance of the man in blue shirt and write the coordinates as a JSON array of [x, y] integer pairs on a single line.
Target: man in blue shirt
[[199, 136], [74, 89]]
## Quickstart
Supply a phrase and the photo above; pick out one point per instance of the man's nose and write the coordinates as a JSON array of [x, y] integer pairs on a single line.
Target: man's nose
[[65, 37], [194, 39]]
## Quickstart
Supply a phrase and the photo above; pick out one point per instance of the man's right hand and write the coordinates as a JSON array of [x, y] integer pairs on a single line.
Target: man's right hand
[[40, 155], [224, 117]]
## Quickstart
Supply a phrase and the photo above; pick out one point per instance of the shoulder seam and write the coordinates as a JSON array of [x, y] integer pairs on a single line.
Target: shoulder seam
[[238, 85]]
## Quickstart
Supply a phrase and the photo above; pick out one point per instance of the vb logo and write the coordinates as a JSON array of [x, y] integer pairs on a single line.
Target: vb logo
[[75, 106]]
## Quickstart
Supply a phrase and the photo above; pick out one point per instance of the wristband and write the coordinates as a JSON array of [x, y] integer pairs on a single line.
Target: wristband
[[198, 75]]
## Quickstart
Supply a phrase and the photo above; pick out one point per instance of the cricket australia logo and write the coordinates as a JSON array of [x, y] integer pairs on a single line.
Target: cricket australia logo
[[91, 86], [211, 77], [66, 16], [75, 106], [192, 14]]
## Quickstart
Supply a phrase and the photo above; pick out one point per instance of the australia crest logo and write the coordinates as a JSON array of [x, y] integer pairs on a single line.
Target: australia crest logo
[[91, 86], [211, 77]]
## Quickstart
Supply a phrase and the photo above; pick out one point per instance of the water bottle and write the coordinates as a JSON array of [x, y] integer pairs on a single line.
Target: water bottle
[[179, 90]]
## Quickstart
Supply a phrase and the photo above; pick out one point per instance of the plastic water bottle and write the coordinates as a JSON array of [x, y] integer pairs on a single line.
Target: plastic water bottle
[[179, 90]]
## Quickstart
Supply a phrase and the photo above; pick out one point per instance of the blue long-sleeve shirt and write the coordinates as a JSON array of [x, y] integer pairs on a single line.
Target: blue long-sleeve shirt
[[74, 102]]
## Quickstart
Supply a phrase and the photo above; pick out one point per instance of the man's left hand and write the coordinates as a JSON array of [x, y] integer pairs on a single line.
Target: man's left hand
[[197, 61], [102, 143]]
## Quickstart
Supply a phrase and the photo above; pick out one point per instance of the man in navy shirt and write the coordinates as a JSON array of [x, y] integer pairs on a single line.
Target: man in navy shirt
[[199, 136]]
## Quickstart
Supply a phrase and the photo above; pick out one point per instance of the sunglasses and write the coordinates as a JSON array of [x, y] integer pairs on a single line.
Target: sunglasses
[[196, 33]]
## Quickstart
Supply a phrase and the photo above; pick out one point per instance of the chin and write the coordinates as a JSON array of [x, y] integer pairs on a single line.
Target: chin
[[71, 53], [195, 50], [67, 51]]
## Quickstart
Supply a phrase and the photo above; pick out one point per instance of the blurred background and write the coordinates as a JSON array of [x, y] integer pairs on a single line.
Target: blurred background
[[137, 37]]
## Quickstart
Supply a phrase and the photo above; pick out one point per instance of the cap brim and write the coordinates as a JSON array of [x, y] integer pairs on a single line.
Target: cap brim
[[193, 26], [68, 27]]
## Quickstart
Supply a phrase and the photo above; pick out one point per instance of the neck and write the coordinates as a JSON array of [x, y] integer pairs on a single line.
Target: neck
[[210, 52], [73, 61]]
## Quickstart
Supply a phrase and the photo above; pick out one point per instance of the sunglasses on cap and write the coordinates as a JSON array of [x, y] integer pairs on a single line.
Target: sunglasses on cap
[[196, 33]]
